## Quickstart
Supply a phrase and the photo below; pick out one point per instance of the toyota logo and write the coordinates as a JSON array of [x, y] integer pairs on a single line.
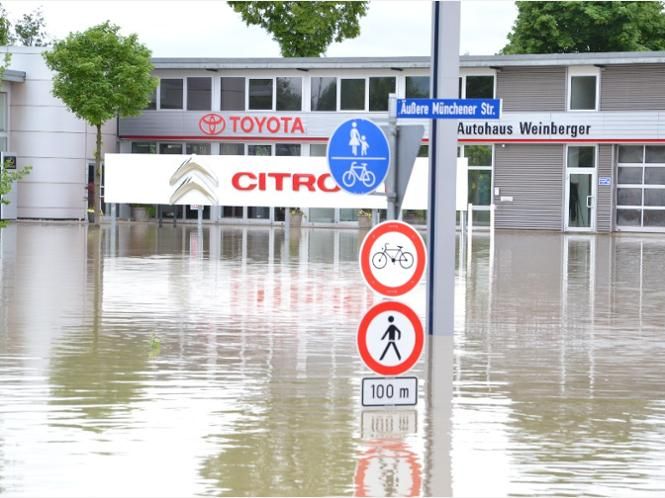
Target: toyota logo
[[212, 124]]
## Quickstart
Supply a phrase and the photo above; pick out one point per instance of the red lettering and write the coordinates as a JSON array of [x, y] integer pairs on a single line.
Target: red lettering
[[259, 122], [321, 183], [273, 125], [262, 182], [303, 180], [279, 180], [247, 124], [297, 126], [235, 181], [234, 120], [286, 120]]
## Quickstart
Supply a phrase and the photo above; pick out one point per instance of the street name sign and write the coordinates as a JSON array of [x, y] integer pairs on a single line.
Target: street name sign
[[390, 338], [358, 156], [392, 258], [449, 108]]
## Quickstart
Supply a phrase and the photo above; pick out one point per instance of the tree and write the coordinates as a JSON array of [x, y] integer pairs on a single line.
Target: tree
[[570, 27], [304, 29], [29, 30], [99, 75]]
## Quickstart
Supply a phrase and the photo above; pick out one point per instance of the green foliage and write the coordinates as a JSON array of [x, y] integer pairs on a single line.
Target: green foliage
[[5, 27], [100, 74], [571, 27], [304, 29], [7, 177], [29, 30]]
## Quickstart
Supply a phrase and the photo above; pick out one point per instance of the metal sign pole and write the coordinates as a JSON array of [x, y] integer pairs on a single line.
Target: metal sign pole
[[391, 183], [441, 239]]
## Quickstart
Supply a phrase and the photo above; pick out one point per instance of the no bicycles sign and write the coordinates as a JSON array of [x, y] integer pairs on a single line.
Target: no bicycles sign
[[392, 258]]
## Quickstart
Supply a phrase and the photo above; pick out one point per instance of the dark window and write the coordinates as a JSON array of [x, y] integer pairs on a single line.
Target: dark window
[[233, 94], [289, 94], [287, 149], [170, 148], [581, 157], [480, 87], [259, 150], [170, 91], [423, 151], [655, 154], [480, 187], [324, 94], [630, 175], [583, 93], [144, 148], [629, 217], [199, 94], [417, 87], [353, 95], [152, 104], [478, 155], [629, 197], [232, 149], [379, 90], [201, 149], [260, 94], [631, 154]]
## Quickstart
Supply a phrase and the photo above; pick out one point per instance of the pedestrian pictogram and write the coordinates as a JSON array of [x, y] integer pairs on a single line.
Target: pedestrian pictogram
[[358, 156], [390, 338], [392, 258]]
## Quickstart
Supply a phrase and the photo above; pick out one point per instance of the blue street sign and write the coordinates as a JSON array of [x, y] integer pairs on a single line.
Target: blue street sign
[[449, 108], [358, 156], [605, 181]]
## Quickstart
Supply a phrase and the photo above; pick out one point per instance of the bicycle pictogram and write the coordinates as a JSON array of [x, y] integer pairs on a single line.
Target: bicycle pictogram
[[358, 172], [395, 255]]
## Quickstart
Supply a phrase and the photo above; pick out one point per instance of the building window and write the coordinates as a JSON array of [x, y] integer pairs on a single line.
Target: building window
[[170, 94], [324, 94], [199, 94], [260, 95], [201, 149], [352, 95], [641, 187], [289, 94], [254, 212], [581, 157], [144, 148], [583, 84], [233, 94], [170, 148], [259, 150], [287, 149], [479, 87], [152, 103], [317, 150], [417, 87], [232, 149], [379, 90]]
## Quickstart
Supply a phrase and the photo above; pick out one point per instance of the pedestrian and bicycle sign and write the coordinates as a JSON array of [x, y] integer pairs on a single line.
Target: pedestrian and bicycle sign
[[390, 338], [449, 108], [358, 156], [392, 258]]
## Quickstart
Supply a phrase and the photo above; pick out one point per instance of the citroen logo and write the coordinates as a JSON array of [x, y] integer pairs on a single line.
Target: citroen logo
[[191, 176]]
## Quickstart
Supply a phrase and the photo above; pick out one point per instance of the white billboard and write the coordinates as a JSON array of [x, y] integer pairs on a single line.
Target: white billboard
[[243, 181]]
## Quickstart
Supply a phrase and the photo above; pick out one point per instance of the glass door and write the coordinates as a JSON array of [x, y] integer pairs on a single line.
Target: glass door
[[580, 206]]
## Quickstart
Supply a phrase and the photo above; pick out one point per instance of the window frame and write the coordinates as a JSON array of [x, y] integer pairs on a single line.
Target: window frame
[[184, 94], [244, 97], [480, 71], [577, 71], [274, 93]]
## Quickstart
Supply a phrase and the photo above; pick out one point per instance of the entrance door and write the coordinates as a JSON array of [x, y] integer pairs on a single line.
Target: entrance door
[[580, 207]]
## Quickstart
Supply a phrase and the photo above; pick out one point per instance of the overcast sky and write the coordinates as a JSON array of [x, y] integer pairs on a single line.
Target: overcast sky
[[209, 28]]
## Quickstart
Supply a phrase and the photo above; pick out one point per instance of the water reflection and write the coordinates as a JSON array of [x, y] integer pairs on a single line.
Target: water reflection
[[189, 361]]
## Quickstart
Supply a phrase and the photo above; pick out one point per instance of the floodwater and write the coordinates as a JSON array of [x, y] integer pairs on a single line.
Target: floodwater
[[146, 361]]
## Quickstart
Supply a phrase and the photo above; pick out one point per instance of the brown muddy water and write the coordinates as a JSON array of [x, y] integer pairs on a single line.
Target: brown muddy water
[[173, 361]]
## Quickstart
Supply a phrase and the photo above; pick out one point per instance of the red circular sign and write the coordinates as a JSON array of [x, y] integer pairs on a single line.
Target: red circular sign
[[212, 124], [368, 351], [395, 258]]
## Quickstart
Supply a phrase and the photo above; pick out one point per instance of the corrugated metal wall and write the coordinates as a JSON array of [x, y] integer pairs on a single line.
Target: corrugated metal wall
[[605, 203], [525, 89], [627, 87], [533, 176]]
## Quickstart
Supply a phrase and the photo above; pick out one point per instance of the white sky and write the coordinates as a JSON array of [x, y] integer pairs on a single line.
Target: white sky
[[209, 28]]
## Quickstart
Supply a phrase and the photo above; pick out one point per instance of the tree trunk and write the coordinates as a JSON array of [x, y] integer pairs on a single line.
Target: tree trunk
[[98, 177]]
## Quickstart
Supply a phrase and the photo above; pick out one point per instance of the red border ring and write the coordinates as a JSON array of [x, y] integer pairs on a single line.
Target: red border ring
[[364, 259], [361, 338]]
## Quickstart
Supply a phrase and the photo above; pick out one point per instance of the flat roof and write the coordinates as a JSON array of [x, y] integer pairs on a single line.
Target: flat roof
[[12, 75], [304, 63]]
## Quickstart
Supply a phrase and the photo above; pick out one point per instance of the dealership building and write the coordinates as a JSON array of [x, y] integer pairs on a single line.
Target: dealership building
[[580, 145]]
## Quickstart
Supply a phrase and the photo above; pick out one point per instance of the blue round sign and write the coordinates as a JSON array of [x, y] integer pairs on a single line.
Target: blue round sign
[[358, 156]]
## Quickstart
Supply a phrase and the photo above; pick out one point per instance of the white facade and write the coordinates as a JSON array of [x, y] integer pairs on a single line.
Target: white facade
[[46, 136]]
